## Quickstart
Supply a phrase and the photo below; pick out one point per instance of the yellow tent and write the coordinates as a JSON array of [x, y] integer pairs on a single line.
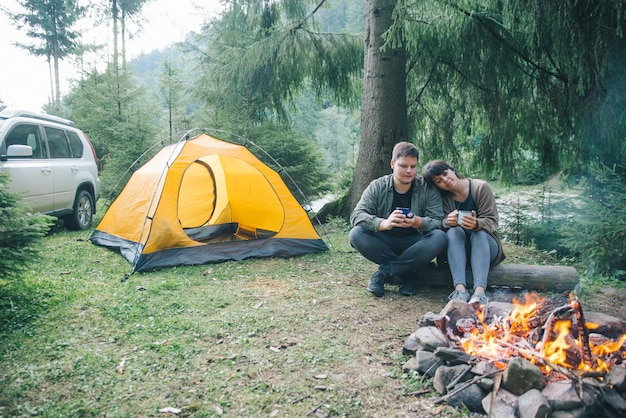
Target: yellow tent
[[204, 200]]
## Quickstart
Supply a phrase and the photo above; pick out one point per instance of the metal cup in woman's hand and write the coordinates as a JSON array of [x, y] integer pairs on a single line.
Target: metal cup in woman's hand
[[463, 213]]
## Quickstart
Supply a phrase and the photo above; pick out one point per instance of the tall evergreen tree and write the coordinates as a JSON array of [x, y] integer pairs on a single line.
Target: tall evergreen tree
[[170, 92], [512, 80], [49, 24], [263, 53], [130, 10], [121, 126]]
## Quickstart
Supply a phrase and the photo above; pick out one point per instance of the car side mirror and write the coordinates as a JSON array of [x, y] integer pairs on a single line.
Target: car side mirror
[[19, 151]]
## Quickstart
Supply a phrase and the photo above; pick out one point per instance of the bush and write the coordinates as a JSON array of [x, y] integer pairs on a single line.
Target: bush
[[20, 232], [598, 231], [536, 220], [297, 156]]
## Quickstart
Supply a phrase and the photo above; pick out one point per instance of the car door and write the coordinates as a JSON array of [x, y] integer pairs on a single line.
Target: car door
[[64, 168], [31, 177]]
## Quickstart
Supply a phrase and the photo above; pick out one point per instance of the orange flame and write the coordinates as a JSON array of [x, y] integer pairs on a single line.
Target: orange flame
[[505, 338]]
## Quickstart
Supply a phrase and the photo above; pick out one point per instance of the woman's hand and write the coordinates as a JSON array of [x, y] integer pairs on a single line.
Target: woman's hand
[[469, 222]]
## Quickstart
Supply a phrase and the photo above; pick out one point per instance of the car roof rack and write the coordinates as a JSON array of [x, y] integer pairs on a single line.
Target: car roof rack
[[9, 112]]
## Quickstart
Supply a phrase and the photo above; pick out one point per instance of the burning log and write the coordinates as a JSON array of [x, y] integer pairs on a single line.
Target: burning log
[[574, 351], [583, 335], [536, 311], [548, 328]]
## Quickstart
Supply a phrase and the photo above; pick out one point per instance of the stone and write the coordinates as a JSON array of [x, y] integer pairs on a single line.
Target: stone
[[411, 346], [503, 404], [456, 310], [607, 325], [431, 319], [411, 365], [561, 395], [617, 378], [521, 375], [453, 356], [533, 404], [426, 363], [430, 338], [573, 413], [470, 397], [616, 402], [445, 375], [603, 401], [486, 383], [484, 367]]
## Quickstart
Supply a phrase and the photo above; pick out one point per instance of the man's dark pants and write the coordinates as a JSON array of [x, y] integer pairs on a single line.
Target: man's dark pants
[[398, 256]]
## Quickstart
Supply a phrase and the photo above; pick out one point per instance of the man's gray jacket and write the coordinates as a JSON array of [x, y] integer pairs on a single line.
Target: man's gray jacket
[[377, 203]]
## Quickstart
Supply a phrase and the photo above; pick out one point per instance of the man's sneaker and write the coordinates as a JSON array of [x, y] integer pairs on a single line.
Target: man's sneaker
[[459, 295], [377, 284], [408, 286]]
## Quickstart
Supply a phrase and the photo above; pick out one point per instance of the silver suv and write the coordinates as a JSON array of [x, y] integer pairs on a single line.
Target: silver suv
[[52, 165]]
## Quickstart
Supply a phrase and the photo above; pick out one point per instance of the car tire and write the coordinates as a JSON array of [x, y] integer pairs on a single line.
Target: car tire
[[82, 216]]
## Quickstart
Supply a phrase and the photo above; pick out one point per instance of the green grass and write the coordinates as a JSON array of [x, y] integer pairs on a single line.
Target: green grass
[[266, 337]]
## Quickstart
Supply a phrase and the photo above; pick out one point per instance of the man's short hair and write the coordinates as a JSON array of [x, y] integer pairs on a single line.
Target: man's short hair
[[404, 149]]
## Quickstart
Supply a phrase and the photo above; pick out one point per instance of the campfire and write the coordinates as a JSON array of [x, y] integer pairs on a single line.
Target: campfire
[[530, 358], [552, 340]]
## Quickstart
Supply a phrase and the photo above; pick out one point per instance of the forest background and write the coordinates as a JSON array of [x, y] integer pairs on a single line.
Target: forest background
[[513, 92]]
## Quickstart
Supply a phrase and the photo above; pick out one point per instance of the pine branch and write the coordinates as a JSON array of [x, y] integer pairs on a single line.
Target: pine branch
[[301, 24]]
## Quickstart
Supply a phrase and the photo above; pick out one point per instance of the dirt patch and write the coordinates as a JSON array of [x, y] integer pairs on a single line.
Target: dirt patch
[[607, 300]]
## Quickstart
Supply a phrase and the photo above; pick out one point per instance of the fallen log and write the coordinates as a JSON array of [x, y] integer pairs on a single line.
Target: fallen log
[[514, 276]]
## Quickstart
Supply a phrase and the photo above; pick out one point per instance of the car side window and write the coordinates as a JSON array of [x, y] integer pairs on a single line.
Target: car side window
[[26, 134], [57, 143], [75, 144]]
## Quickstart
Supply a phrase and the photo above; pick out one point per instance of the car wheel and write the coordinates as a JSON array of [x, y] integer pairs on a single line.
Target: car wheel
[[82, 217]]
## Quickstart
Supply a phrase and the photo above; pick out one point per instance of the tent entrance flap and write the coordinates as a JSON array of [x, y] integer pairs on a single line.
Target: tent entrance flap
[[196, 196], [219, 189]]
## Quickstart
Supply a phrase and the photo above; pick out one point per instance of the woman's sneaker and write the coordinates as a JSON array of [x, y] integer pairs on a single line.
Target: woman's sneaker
[[480, 300], [459, 295]]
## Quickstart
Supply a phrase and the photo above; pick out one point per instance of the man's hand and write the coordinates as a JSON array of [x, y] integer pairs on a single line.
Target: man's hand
[[398, 220]]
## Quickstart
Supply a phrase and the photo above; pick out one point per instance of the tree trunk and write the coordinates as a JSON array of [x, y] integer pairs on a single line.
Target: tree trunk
[[57, 83], [115, 15], [384, 109], [51, 76], [116, 68], [123, 25]]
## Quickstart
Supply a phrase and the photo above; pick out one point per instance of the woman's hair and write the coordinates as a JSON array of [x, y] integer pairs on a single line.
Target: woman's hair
[[436, 168]]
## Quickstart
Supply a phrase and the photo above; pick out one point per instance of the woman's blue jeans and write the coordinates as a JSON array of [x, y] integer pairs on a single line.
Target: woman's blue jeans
[[482, 249]]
